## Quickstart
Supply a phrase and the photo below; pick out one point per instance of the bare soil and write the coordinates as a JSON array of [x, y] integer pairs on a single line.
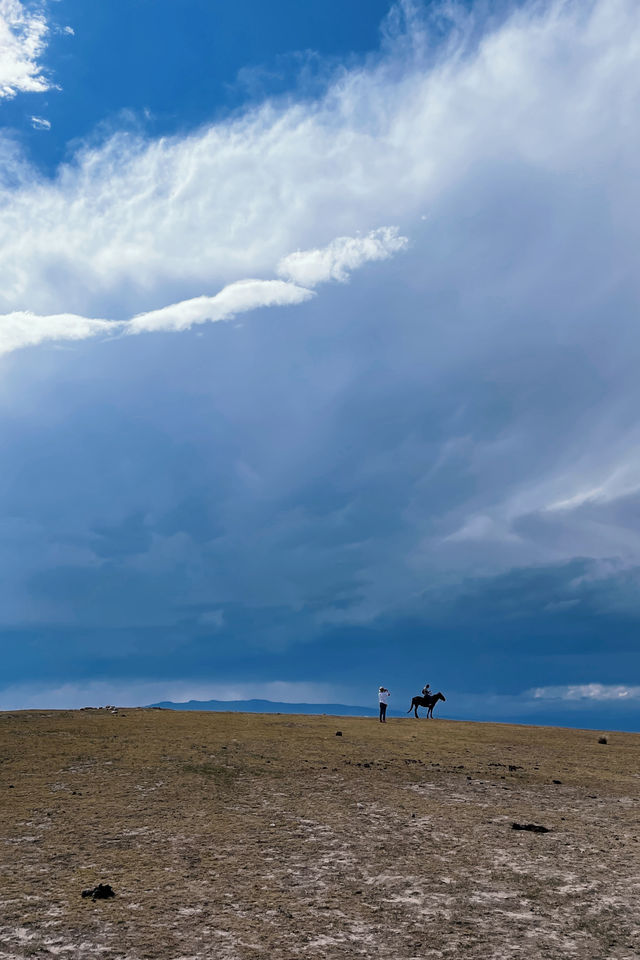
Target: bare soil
[[241, 836]]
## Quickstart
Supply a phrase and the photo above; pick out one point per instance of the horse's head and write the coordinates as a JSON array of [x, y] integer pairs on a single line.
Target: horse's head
[[441, 696]]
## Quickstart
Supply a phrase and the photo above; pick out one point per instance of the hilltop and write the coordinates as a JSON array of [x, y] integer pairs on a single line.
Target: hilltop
[[243, 836]]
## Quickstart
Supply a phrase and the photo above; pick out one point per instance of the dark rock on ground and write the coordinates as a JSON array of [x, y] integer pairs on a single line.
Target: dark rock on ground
[[103, 891], [532, 827]]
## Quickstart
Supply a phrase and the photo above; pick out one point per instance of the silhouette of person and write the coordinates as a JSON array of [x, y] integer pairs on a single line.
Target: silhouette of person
[[383, 700], [426, 690]]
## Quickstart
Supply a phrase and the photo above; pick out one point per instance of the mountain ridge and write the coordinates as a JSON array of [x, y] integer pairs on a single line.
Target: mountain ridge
[[274, 706]]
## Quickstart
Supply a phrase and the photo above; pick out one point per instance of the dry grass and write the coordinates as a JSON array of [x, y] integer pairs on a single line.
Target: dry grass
[[240, 836]]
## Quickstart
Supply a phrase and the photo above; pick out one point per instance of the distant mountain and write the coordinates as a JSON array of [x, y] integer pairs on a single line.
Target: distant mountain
[[271, 706]]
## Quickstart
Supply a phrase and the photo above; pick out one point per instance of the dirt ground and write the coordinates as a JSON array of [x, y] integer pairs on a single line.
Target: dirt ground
[[236, 836]]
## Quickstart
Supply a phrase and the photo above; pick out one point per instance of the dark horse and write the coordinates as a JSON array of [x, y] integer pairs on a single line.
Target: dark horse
[[428, 702]]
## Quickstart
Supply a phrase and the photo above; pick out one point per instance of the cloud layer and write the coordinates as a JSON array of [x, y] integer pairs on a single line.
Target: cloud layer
[[589, 692], [22, 41], [130, 221], [433, 467]]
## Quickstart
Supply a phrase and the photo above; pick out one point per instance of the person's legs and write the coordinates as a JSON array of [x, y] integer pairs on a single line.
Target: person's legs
[[383, 713]]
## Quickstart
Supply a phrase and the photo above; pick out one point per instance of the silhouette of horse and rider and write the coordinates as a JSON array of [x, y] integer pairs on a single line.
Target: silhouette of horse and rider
[[427, 699]]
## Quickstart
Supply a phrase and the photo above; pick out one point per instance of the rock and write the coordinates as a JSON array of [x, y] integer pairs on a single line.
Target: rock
[[532, 827], [602, 740], [557, 781], [103, 891], [338, 733]]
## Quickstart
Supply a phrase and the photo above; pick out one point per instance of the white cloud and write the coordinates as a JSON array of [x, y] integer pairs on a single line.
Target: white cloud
[[622, 481], [39, 123], [235, 298], [588, 692], [23, 328], [480, 528], [22, 40], [132, 220], [340, 257]]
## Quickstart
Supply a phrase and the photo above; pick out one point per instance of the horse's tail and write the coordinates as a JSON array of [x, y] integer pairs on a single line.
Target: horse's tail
[[410, 708]]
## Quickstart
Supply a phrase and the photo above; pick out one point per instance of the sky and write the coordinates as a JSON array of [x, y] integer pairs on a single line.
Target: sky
[[318, 354]]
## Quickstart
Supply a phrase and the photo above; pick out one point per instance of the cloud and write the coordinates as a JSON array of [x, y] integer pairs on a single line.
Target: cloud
[[588, 692], [340, 257], [39, 123], [133, 218], [480, 528], [236, 298], [612, 713], [389, 467], [23, 328], [22, 41]]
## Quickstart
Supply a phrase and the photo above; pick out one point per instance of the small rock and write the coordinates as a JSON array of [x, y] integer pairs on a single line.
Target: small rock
[[338, 733], [532, 827], [602, 740], [557, 781]]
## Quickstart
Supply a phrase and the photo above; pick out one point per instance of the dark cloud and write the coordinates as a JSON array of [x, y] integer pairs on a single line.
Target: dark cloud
[[429, 472]]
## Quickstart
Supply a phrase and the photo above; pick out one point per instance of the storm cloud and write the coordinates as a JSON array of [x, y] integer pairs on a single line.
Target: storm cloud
[[432, 467]]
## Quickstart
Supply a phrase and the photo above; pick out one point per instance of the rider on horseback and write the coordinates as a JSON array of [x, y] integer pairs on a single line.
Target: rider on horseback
[[427, 700]]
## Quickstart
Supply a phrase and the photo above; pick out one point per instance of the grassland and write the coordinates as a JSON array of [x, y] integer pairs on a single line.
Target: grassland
[[237, 836]]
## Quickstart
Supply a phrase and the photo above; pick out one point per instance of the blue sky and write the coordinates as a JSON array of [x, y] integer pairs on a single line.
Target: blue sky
[[318, 339]]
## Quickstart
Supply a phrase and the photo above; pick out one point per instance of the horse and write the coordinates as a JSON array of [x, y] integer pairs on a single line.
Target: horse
[[428, 702]]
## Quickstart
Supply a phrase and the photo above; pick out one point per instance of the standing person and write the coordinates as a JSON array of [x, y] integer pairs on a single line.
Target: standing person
[[383, 700]]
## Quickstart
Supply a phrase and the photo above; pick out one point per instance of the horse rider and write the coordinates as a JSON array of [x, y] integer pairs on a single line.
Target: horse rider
[[426, 690]]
